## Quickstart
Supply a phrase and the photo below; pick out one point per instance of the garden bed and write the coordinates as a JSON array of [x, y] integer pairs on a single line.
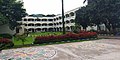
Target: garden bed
[[69, 36]]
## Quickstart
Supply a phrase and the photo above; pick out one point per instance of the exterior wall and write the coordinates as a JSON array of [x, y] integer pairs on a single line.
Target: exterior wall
[[41, 24], [33, 24], [5, 29]]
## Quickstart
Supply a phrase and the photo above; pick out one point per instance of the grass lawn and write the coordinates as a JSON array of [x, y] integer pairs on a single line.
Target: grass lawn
[[45, 33], [31, 37], [29, 40]]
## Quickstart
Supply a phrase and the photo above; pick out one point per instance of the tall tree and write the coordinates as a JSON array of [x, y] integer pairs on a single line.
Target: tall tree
[[12, 10], [82, 17], [101, 11], [3, 19]]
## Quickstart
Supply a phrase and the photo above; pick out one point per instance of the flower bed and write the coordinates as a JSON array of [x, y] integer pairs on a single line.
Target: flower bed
[[5, 43], [65, 37]]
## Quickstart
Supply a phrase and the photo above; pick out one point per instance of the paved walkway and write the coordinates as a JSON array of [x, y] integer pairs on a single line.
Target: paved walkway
[[104, 49], [109, 37]]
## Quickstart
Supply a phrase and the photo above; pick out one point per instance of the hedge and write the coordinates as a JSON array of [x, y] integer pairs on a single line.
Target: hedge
[[68, 36]]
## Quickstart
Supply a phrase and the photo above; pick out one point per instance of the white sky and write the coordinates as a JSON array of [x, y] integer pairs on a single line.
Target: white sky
[[50, 6]]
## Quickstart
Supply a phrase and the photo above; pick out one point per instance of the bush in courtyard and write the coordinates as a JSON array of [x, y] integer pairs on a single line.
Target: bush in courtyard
[[87, 34], [103, 32], [72, 36], [6, 36], [92, 30], [21, 38], [65, 37], [0, 37], [5, 43]]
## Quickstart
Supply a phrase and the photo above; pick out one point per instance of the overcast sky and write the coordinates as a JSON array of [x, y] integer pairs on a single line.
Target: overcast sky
[[50, 6]]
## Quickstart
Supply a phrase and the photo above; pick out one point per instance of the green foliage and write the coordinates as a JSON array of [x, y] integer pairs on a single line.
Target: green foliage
[[1, 37], [92, 30], [31, 36], [76, 28], [82, 17], [21, 37], [6, 36], [5, 43], [65, 37], [3, 19], [100, 11], [12, 11], [18, 42], [6, 46], [45, 33]]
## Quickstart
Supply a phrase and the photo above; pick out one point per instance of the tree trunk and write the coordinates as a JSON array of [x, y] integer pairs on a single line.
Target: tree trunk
[[98, 28], [113, 29], [23, 42], [108, 27]]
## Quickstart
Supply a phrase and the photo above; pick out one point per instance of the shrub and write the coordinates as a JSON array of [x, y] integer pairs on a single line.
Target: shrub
[[72, 36], [0, 37], [103, 32], [65, 37], [21, 38], [6, 36], [5, 43], [92, 30]]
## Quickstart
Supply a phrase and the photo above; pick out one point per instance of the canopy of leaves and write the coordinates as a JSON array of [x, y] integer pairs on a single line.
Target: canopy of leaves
[[12, 10], [3, 19], [100, 11]]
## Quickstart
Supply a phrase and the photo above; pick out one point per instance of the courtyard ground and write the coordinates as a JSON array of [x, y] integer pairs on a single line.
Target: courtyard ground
[[103, 49]]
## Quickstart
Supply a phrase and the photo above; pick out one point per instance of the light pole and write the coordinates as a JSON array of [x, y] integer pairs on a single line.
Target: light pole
[[63, 17]]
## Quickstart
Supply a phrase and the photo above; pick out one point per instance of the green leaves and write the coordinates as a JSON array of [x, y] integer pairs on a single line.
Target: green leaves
[[100, 11], [13, 11], [3, 19], [21, 37]]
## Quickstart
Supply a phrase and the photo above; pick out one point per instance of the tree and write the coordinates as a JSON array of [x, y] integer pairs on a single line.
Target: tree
[[82, 17], [13, 11], [101, 11], [3, 19], [89, 1]]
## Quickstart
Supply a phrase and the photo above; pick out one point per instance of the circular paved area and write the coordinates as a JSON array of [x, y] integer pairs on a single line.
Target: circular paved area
[[104, 49], [30, 53]]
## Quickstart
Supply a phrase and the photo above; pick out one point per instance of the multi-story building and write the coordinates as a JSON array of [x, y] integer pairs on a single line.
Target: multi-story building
[[44, 23]]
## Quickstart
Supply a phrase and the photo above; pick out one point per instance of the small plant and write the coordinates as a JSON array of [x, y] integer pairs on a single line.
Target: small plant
[[21, 37], [6, 36], [5, 43], [0, 37]]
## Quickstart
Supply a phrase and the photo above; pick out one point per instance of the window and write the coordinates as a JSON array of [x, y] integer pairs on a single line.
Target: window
[[72, 14], [50, 19], [25, 19], [67, 15]]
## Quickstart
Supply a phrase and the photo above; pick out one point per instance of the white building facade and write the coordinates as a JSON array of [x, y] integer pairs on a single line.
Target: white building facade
[[43, 24]]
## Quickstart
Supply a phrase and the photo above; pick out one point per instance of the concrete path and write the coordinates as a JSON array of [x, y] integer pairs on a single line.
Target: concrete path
[[109, 37], [103, 49]]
